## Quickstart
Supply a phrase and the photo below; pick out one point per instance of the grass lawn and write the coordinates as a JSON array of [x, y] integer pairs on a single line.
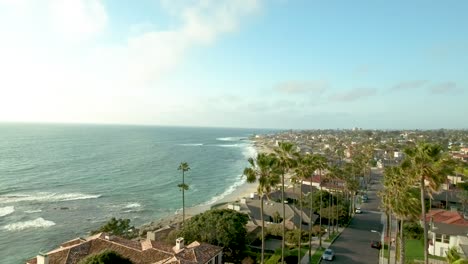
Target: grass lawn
[[317, 255], [414, 250]]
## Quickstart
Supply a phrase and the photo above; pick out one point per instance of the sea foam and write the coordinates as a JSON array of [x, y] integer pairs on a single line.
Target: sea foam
[[230, 138], [45, 197], [133, 205], [36, 223], [6, 210]]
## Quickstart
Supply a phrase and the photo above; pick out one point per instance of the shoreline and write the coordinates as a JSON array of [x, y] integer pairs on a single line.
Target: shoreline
[[243, 190]]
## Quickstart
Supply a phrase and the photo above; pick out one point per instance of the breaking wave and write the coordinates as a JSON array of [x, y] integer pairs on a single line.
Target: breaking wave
[[191, 144], [6, 210], [36, 223], [45, 197]]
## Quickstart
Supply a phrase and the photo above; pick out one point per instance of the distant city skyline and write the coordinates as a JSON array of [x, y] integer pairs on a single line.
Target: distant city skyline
[[236, 63]]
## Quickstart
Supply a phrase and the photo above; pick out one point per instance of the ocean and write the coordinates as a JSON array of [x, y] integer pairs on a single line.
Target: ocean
[[58, 182]]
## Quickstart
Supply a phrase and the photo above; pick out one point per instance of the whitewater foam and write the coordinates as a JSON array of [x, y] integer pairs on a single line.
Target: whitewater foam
[[33, 211], [228, 191], [45, 197], [230, 138], [132, 205], [36, 223], [6, 210], [191, 144]]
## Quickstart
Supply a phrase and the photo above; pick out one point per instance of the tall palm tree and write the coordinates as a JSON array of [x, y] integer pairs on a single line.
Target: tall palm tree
[[285, 153], [321, 164], [302, 171], [263, 170], [429, 169], [184, 167], [403, 198]]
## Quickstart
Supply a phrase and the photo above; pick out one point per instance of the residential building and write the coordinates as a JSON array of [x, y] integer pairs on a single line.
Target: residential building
[[139, 252], [447, 229]]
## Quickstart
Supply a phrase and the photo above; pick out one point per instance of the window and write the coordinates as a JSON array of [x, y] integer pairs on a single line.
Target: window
[[445, 239], [216, 259], [438, 238]]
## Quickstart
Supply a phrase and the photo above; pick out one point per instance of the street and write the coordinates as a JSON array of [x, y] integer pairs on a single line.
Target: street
[[354, 243]]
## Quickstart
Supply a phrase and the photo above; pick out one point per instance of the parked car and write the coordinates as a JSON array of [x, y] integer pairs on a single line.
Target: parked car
[[376, 244], [358, 210], [328, 255]]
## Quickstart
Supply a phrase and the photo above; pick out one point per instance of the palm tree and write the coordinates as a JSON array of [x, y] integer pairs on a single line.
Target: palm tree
[[429, 168], [285, 161], [184, 167], [403, 200], [263, 170], [303, 171], [320, 163]]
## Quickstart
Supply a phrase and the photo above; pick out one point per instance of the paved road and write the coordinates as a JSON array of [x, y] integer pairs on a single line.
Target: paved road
[[353, 245]]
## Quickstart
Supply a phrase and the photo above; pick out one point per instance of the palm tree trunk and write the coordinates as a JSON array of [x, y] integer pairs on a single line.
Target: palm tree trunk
[[423, 210], [284, 217], [320, 209], [310, 223], [397, 243], [329, 214], [300, 226], [183, 198], [263, 231], [389, 235], [402, 243]]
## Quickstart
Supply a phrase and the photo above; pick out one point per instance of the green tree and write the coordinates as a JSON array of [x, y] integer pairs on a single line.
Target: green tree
[[106, 257], [429, 168], [184, 167], [221, 227], [118, 227], [303, 171], [263, 170], [321, 164], [285, 153]]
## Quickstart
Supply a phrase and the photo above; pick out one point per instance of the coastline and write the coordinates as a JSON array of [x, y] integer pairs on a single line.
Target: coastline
[[243, 190]]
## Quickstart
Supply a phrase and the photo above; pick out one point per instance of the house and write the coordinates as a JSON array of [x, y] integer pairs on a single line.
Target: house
[[446, 199], [326, 184], [139, 252], [447, 229]]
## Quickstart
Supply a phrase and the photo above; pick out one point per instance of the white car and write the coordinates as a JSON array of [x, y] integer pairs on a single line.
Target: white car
[[358, 210], [328, 255]]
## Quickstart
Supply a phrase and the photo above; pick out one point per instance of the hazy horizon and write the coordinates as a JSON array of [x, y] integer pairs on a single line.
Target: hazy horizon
[[235, 63]]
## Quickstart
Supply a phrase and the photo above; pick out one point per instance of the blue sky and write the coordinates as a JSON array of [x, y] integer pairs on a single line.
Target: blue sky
[[236, 63]]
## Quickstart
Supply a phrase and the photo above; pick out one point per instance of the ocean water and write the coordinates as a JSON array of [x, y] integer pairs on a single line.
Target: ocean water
[[58, 182]]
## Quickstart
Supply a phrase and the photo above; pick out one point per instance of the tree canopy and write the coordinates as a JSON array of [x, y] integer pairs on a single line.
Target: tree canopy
[[119, 227], [106, 257], [221, 227]]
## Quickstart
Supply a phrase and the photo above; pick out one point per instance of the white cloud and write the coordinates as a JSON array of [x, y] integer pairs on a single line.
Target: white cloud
[[78, 18], [50, 78]]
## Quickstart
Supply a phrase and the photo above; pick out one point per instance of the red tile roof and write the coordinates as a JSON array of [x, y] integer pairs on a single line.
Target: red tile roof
[[139, 252], [446, 217]]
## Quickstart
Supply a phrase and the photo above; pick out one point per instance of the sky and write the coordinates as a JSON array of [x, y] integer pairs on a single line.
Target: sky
[[289, 64]]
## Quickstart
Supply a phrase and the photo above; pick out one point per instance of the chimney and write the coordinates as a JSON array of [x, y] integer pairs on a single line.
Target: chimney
[[179, 244], [42, 258]]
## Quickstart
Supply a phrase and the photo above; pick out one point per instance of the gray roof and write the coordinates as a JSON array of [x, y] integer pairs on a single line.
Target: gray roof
[[449, 229], [293, 214]]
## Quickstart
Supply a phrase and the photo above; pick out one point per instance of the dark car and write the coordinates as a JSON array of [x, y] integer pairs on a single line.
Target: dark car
[[376, 244]]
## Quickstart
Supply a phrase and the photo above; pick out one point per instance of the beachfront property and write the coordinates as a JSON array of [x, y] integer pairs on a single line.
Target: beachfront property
[[447, 229], [139, 252]]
